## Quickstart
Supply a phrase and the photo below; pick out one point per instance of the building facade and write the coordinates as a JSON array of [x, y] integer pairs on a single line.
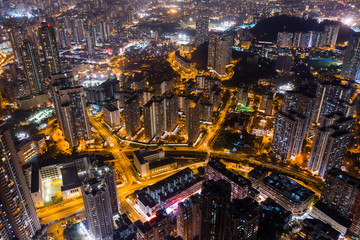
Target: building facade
[[32, 68], [98, 208], [219, 52], [50, 49], [18, 217], [350, 68], [70, 107]]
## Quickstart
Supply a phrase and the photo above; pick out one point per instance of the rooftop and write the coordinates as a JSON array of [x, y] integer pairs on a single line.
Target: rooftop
[[332, 214], [161, 162], [35, 179], [164, 182], [237, 178], [110, 107], [146, 199], [289, 188], [258, 172], [344, 177], [70, 178], [144, 152], [246, 208]]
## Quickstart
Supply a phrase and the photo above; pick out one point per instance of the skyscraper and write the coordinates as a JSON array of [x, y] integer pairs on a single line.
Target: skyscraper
[[330, 94], [50, 49], [12, 34], [188, 218], [351, 63], [192, 119], [330, 34], [289, 135], [171, 105], [285, 39], [216, 196], [160, 114], [32, 68], [330, 143], [70, 108], [202, 28], [107, 173], [302, 104], [341, 194], [98, 208], [132, 116], [89, 43], [153, 118], [18, 218], [219, 52]]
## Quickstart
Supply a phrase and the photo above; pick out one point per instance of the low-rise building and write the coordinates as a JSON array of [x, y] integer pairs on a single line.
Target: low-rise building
[[146, 203], [288, 193], [149, 163], [321, 212], [168, 191], [30, 148], [315, 229]]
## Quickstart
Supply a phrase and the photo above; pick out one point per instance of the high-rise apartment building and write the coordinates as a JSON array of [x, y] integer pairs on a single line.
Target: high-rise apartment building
[[50, 49], [216, 197], [342, 194], [160, 114], [189, 217], [300, 103], [32, 68], [330, 143], [153, 118], [98, 208], [18, 218], [192, 119], [289, 134], [132, 116], [351, 63], [171, 106], [330, 34], [219, 52], [70, 108], [106, 172], [89, 43], [330, 97], [202, 28], [285, 39], [13, 35]]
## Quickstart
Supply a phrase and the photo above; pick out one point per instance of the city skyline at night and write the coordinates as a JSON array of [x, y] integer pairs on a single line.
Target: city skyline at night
[[179, 119]]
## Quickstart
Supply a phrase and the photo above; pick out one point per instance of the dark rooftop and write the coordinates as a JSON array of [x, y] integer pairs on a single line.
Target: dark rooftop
[[35, 179], [146, 199], [289, 188], [165, 181], [258, 172], [236, 178], [160, 163], [332, 214], [110, 107], [246, 208], [144, 152], [70, 178]]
